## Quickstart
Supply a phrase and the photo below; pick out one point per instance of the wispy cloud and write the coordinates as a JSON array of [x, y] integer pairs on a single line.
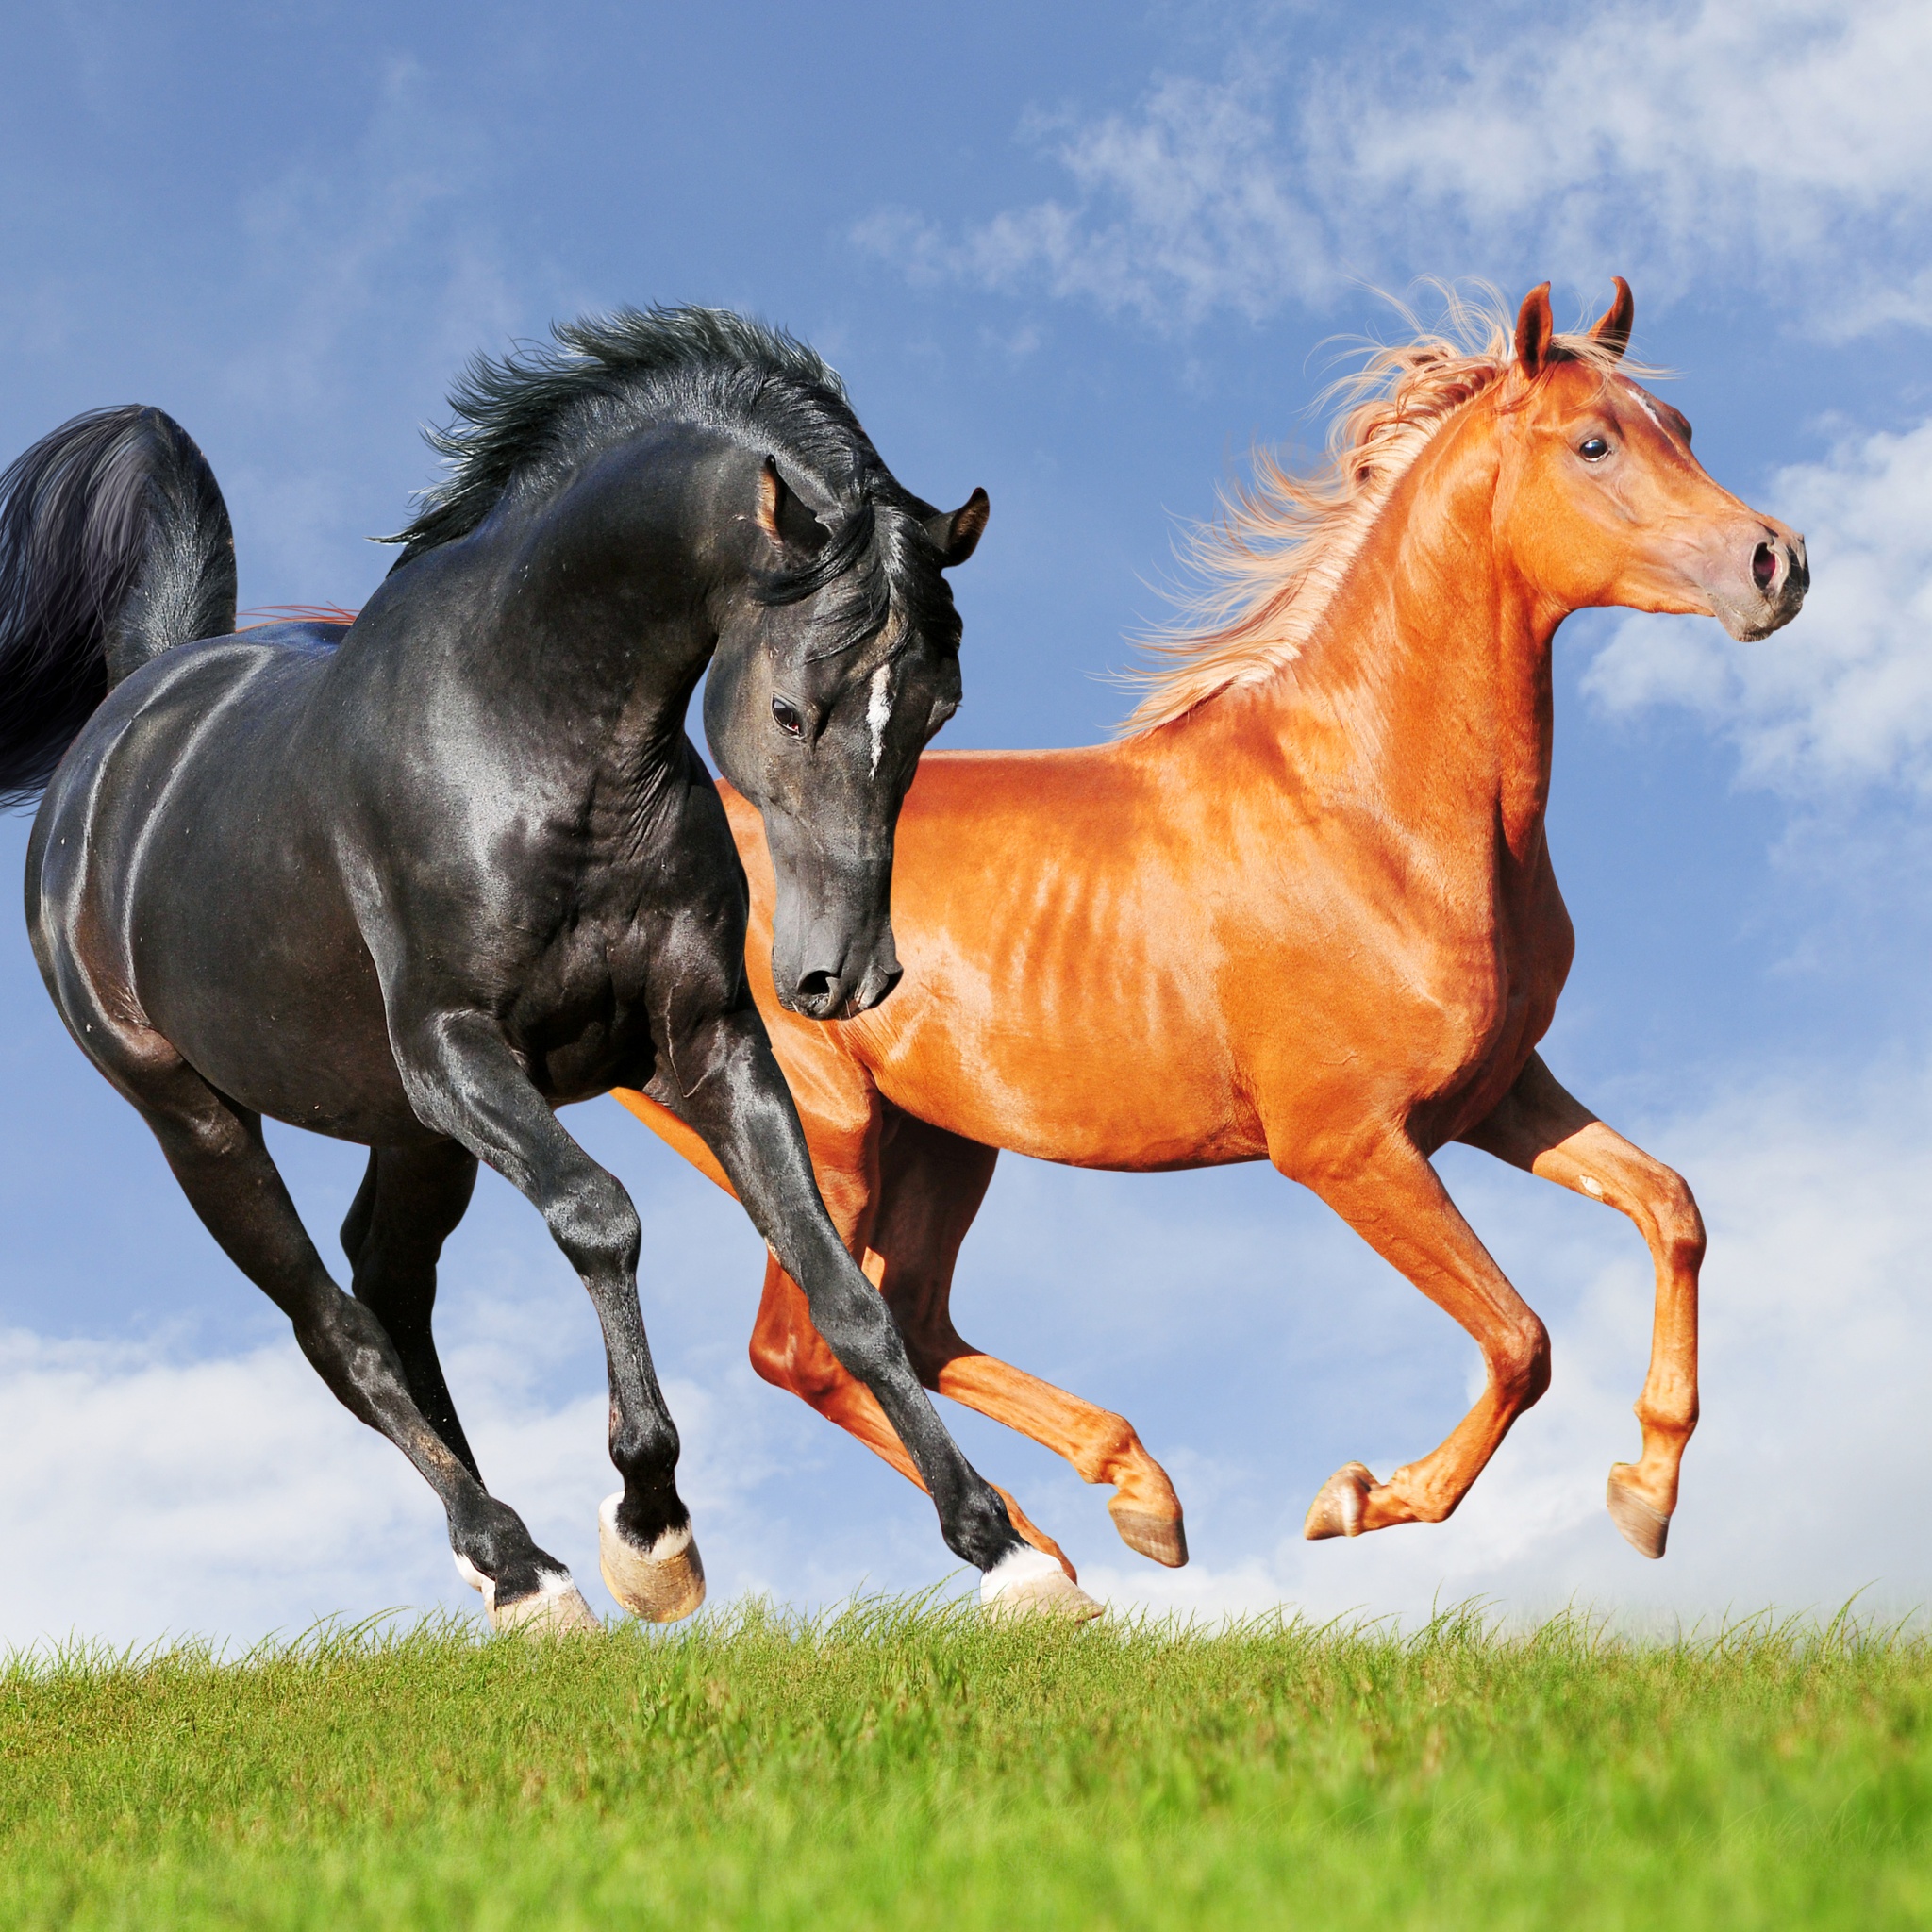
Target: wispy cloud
[[1784, 145], [1843, 697], [233, 1495], [1180, 207], [1810, 1477]]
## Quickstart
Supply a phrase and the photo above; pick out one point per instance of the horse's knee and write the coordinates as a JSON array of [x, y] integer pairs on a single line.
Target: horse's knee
[[1678, 1227], [851, 1317], [595, 1224], [1519, 1363]]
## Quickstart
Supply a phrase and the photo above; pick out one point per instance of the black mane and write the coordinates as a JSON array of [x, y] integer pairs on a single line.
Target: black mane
[[532, 415], [542, 409]]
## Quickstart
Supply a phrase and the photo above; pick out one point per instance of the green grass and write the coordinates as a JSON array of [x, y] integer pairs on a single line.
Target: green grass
[[901, 1766]]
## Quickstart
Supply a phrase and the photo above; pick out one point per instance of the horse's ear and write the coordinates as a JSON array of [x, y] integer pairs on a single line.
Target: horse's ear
[[956, 536], [783, 517], [1534, 330], [1613, 326]]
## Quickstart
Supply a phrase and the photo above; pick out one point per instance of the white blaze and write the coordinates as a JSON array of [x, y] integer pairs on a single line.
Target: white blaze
[[878, 709], [1643, 404]]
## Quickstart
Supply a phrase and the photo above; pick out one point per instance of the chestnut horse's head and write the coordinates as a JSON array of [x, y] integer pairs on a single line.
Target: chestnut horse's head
[[1605, 503]]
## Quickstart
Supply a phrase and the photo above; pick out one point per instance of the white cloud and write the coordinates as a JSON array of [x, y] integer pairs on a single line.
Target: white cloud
[[1181, 208], [1746, 134], [1810, 1477], [141, 1495], [1842, 696], [1784, 144], [233, 1496]]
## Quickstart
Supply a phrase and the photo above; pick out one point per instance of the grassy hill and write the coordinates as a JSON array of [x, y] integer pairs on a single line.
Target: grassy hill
[[897, 1764]]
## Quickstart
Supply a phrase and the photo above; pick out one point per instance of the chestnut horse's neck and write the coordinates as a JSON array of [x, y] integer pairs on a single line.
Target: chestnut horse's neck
[[1425, 686]]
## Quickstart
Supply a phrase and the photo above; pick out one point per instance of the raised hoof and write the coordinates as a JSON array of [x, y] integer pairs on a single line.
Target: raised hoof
[[555, 1609], [659, 1585], [1337, 1509], [1162, 1538], [1029, 1583], [1644, 1528]]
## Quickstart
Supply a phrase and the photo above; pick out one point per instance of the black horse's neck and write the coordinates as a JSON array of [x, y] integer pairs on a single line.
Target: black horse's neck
[[585, 613]]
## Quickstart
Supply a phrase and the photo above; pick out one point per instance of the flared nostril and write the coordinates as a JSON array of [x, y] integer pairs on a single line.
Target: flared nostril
[[1764, 568], [814, 988]]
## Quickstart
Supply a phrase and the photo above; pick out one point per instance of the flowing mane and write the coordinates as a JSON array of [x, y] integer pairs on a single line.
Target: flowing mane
[[527, 419], [544, 409], [1269, 566]]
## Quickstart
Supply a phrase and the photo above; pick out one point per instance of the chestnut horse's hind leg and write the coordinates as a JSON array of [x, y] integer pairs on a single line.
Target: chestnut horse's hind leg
[[738, 1104], [409, 1204], [929, 1187], [789, 1352], [1540, 1128], [223, 1166], [1393, 1199], [932, 1183]]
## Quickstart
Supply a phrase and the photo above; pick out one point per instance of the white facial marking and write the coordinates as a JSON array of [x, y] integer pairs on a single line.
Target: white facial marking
[[878, 711], [1643, 404]]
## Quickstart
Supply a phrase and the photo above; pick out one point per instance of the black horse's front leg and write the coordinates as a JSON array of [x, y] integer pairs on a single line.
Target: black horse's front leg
[[727, 1085], [464, 1081]]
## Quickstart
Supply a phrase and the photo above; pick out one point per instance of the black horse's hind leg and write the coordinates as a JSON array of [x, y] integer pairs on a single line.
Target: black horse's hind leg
[[738, 1100], [411, 1201], [223, 1166], [464, 1081]]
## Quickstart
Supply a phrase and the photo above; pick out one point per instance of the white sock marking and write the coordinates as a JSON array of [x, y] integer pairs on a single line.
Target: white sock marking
[[672, 1542], [1023, 1565]]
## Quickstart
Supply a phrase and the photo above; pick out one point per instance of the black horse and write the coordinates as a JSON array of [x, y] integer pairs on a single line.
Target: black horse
[[414, 880]]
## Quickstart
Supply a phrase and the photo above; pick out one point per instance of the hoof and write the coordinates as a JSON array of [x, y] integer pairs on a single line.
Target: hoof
[[1028, 1583], [1162, 1538], [1337, 1509], [555, 1609], [1644, 1528], [660, 1584]]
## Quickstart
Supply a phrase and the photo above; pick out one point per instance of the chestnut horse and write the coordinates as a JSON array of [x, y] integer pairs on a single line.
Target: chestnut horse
[[1304, 911]]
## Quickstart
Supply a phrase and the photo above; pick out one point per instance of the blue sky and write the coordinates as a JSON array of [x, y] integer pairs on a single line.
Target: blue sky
[[1086, 256]]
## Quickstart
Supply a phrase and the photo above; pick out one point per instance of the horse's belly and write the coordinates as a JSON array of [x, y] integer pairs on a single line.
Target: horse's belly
[[1082, 1103], [311, 1046]]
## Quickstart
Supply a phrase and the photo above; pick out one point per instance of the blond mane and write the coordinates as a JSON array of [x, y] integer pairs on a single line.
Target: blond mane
[[1269, 565]]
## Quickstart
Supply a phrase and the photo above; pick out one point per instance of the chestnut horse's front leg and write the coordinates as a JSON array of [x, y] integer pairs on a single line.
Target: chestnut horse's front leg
[[1390, 1194], [1540, 1128]]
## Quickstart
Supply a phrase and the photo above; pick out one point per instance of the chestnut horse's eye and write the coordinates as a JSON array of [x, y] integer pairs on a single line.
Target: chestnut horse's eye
[[788, 719], [1592, 449]]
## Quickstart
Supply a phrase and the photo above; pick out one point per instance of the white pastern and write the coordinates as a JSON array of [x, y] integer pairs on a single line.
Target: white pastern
[[1022, 1566], [674, 1542], [878, 711], [545, 1607], [478, 1581]]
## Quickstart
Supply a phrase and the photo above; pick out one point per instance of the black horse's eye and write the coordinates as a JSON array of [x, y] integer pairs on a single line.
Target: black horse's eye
[[787, 715], [1592, 449]]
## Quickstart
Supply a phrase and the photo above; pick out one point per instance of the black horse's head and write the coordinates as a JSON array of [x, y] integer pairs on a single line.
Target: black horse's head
[[835, 665]]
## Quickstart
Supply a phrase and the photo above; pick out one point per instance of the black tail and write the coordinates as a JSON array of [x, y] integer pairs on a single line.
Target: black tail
[[114, 545]]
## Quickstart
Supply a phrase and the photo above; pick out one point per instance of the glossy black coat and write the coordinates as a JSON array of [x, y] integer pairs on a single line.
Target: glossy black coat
[[417, 880]]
